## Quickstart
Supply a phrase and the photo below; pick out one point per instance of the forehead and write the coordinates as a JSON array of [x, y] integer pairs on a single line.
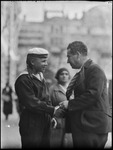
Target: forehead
[[64, 71]]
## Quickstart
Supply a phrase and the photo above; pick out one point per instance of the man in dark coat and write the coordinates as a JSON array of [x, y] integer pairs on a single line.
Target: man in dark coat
[[34, 101], [88, 105]]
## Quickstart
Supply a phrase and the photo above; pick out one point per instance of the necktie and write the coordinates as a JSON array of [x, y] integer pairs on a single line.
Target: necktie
[[79, 76]]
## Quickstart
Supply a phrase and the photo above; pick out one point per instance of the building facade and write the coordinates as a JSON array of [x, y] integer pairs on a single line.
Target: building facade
[[55, 33]]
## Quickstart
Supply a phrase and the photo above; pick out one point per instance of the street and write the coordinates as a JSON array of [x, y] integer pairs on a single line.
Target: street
[[10, 137]]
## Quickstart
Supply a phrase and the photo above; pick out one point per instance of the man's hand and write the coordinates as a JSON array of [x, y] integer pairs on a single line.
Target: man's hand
[[64, 104], [57, 107], [54, 123], [59, 112]]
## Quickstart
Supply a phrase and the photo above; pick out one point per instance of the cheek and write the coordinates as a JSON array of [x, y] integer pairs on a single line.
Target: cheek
[[38, 65], [75, 61], [72, 61], [68, 77]]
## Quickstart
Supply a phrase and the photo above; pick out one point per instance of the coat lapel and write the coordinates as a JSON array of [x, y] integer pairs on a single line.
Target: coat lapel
[[81, 76], [58, 88]]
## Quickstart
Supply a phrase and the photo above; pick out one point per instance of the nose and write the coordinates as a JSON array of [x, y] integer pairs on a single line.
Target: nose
[[65, 75], [46, 63]]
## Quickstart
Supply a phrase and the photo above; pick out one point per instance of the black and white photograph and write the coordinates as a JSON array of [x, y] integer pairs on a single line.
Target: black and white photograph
[[56, 74]]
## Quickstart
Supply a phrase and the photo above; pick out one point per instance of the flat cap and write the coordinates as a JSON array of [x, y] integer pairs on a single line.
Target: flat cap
[[40, 52]]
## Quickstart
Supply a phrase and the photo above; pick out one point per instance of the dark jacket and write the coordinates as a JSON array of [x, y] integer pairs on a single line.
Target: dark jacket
[[36, 106], [90, 110], [7, 100]]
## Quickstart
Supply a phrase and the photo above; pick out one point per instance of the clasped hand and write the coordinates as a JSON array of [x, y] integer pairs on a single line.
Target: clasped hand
[[60, 110], [64, 104]]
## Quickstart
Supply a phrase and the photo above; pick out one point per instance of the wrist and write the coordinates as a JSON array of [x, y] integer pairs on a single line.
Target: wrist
[[57, 107]]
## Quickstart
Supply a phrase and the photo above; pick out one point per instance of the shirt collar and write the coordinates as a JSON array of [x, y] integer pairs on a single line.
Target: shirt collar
[[39, 76], [87, 63]]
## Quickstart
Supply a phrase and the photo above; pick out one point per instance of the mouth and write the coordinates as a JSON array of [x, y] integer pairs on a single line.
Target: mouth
[[43, 68]]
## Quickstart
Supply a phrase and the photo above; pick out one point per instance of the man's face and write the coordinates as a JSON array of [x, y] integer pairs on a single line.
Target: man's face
[[73, 60], [39, 64]]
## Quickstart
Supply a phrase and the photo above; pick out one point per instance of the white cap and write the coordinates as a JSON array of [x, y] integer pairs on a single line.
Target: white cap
[[38, 51]]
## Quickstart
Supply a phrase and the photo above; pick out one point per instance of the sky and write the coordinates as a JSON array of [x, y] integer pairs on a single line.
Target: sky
[[34, 9]]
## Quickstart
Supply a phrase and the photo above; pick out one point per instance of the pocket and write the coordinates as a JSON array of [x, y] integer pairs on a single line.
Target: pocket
[[96, 121]]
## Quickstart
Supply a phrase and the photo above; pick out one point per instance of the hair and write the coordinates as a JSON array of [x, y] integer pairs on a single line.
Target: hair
[[78, 46], [60, 71], [28, 61]]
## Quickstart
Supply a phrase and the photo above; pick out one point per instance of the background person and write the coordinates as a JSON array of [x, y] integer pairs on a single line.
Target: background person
[[58, 94], [7, 100], [89, 110], [34, 101]]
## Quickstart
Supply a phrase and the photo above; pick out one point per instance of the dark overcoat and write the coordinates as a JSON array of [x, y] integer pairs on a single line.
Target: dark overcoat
[[7, 101], [89, 111], [36, 110]]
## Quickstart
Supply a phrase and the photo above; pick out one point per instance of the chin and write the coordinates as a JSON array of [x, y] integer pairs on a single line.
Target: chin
[[43, 70]]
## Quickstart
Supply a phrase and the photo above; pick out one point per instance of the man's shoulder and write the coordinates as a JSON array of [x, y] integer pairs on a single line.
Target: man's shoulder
[[94, 68], [23, 76]]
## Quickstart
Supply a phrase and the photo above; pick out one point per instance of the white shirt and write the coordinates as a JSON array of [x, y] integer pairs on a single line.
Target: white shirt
[[39, 76]]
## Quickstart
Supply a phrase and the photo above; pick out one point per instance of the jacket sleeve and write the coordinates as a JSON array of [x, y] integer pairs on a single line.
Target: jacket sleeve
[[26, 95], [94, 85]]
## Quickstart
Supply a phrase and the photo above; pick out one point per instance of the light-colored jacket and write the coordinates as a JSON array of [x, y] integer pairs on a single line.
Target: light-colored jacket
[[57, 94]]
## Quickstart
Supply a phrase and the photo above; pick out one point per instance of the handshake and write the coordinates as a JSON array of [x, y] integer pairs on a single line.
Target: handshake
[[61, 109], [59, 112]]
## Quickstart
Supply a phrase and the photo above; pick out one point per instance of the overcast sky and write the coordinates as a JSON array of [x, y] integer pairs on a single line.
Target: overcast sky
[[34, 9]]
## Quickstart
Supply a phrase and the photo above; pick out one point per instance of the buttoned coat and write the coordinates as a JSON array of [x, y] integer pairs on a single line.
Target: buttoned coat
[[89, 111]]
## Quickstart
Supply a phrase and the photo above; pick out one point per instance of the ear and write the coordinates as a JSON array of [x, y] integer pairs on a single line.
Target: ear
[[32, 62], [78, 53]]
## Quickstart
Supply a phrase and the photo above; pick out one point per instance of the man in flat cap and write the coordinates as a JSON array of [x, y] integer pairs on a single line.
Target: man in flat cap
[[34, 101]]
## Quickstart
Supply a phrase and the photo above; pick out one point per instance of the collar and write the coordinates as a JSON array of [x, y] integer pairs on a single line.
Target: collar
[[63, 88], [39, 76], [87, 63], [24, 72], [59, 88]]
